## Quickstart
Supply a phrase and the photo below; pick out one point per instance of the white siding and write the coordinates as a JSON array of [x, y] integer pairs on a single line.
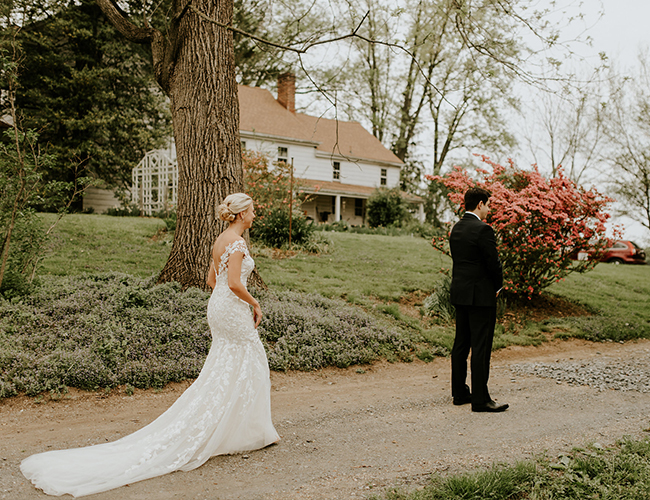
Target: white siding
[[319, 168], [364, 174], [301, 154], [99, 200]]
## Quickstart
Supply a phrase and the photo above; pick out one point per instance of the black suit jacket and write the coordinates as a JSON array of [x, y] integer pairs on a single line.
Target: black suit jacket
[[477, 273]]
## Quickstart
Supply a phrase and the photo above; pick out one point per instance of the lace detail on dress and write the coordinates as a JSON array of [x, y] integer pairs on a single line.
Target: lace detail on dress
[[226, 410], [247, 266], [235, 246]]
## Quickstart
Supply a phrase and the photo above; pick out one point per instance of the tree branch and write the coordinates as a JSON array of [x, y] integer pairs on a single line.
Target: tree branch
[[305, 48], [118, 18]]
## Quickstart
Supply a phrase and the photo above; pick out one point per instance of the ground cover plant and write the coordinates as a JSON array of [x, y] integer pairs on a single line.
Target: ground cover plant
[[101, 331], [621, 472]]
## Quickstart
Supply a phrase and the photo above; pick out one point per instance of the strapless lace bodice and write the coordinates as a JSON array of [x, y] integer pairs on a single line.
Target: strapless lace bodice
[[226, 410]]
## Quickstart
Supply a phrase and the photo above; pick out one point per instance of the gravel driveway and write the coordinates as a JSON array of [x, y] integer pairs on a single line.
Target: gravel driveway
[[351, 433]]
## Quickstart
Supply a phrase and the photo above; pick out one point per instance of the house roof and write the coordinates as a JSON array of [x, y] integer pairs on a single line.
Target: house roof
[[6, 121], [261, 113], [337, 188]]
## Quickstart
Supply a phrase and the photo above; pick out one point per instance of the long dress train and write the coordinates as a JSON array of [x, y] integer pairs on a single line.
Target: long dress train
[[226, 410]]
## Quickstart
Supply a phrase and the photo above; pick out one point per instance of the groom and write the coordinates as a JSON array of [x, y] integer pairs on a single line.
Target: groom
[[476, 281]]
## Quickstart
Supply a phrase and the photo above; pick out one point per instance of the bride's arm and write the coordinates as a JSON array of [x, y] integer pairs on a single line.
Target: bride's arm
[[212, 276], [238, 288]]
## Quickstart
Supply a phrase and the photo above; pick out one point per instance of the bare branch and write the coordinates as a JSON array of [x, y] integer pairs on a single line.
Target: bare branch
[[305, 48]]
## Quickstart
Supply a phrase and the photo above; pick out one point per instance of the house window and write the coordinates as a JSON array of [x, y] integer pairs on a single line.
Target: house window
[[283, 155], [383, 177], [336, 171], [358, 207]]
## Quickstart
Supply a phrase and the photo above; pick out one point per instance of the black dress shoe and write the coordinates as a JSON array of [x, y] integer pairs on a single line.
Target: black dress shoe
[[491, 407], [463, 401]]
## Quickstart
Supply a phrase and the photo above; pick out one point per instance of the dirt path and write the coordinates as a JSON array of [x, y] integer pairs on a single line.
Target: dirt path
[[347, 434]]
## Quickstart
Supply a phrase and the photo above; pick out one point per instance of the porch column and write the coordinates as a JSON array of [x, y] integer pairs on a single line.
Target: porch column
[[421, 214], [337, 208]]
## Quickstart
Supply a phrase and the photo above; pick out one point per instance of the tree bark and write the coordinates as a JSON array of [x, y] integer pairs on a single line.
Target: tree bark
[[194, 63], [205, 113]]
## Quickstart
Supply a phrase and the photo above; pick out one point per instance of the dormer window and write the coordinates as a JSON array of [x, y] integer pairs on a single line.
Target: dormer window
[[383, 179], [283, 155], [336, 171]]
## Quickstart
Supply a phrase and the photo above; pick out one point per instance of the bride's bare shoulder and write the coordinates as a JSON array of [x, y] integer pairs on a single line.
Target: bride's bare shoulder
[[222, 242]]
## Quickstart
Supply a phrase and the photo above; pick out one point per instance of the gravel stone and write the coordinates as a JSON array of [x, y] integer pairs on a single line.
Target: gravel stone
[[619, 374]]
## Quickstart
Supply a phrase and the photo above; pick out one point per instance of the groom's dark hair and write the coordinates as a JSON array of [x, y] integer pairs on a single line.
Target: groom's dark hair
[[473, 196]]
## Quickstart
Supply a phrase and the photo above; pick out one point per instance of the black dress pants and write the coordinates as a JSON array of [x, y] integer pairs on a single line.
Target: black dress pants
[[475, 332]]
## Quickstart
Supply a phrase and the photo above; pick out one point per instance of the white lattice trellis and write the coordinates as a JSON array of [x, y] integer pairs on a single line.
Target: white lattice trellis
[[155, 181]]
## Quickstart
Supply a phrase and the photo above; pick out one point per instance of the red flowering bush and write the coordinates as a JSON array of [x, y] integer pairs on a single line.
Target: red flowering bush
[[270, 187], [540, 223]]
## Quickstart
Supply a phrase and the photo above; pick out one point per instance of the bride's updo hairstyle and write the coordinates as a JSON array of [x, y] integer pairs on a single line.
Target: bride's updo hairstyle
[[232, 205]]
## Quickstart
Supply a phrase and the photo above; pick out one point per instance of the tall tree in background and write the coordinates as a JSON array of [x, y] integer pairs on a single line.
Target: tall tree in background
[[445, 81], [367, 81], [289, 22], [566, 126], [628, 131], [89, 93]]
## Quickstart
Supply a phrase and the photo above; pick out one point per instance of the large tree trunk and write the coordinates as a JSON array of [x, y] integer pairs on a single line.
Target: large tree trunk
[[205, 112], [194, 64]]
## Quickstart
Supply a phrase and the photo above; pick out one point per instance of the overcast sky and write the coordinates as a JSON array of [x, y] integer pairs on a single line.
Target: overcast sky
[[622, 29]]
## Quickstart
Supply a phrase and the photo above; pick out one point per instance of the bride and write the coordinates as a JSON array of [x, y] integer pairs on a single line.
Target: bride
[[226, 410]]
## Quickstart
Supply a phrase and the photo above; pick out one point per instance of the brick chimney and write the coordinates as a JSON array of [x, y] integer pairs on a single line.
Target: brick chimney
[[287, 91]]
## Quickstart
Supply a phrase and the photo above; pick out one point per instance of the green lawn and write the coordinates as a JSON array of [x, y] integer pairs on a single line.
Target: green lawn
[[82, 243], [611, 290], [360, 265]]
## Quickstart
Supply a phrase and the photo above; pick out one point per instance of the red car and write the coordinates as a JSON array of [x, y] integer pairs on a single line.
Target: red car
[[624, 252]]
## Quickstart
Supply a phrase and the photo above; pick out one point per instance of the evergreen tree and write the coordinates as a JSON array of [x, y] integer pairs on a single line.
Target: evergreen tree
[[90, 94]]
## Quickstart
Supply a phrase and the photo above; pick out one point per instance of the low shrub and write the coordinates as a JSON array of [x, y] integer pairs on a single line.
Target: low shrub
[[386, 207], [25, 249], [317, 243], [339, 226], [125, 210], [169, 217], [272, 228], [439, 304], [308, 331], [114, 329]]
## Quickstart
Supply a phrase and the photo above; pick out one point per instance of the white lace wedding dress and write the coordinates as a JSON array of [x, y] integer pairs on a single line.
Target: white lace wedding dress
[[226, 410]]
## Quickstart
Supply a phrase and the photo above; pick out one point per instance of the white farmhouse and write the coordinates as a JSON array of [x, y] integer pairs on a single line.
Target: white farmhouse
[[340, 162]]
